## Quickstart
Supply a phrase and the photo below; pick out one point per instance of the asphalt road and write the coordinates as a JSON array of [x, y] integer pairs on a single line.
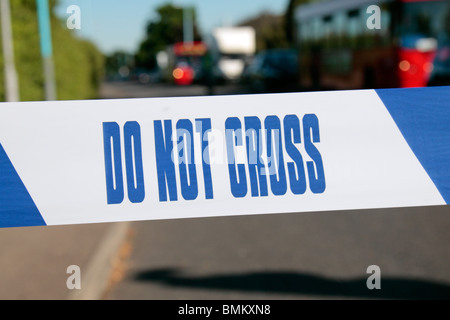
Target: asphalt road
[[321, 255], [135, 90], [34, 260]]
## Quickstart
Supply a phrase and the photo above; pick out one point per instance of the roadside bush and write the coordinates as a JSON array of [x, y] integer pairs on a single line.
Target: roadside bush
[[78, 63]]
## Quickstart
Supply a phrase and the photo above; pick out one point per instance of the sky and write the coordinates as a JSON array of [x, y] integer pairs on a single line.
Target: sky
[[120, 24]]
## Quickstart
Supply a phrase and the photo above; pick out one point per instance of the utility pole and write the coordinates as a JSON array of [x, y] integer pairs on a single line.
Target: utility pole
[[188, 25], [46, 48], [11, 80]]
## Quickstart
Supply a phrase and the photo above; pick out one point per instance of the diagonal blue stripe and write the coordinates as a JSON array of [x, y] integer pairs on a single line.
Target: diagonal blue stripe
[[17, 209], [423, 117]]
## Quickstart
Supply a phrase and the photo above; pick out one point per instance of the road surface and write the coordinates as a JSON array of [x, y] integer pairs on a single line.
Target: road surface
[[319, 255]]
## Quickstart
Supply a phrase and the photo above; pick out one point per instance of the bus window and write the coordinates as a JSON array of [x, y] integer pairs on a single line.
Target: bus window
[[340, 22], [353, 26], [411, 44], [422, 20], [327, 25], [386, 26], [317, 29], [304, 31]]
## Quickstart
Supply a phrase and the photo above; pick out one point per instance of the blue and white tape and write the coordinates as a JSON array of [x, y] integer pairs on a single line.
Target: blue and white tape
[[71, 162]]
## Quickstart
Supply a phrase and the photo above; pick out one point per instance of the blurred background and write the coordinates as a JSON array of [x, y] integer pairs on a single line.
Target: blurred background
[[177, 47], [134, 49]]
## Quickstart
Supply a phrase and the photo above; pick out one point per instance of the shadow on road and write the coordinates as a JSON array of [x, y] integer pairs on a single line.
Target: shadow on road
[[302, 284]]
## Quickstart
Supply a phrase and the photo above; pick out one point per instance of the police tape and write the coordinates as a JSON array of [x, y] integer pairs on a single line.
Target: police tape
[[72, 162]]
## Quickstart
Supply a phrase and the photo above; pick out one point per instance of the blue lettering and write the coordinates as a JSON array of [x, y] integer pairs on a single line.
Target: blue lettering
[[311, 126], [114, 175], [275, 156], [186, 162], [164, 163], [291, 136], [135, 172], [256, 167], [233, 134], [203, 126]]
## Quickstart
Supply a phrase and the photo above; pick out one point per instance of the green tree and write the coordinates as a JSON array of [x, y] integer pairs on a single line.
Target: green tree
[[78, 63], [166, 29], [270, 33]]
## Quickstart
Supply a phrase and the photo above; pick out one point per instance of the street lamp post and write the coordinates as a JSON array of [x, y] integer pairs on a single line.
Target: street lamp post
[[11, 79], [188, 25], [46, 49]]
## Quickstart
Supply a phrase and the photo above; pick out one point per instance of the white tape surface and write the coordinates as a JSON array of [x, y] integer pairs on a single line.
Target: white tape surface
[[315, 151]]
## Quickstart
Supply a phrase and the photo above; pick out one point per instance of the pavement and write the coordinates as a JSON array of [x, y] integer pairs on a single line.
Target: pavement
[[290, 256], [280, 256], [121, 90], [34, 260]]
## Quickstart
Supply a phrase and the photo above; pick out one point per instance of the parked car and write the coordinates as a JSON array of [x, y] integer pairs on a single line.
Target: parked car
[[440, 76], [274, 70]]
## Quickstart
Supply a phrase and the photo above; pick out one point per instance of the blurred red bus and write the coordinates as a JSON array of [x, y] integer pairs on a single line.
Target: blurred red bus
[[338, 50]]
